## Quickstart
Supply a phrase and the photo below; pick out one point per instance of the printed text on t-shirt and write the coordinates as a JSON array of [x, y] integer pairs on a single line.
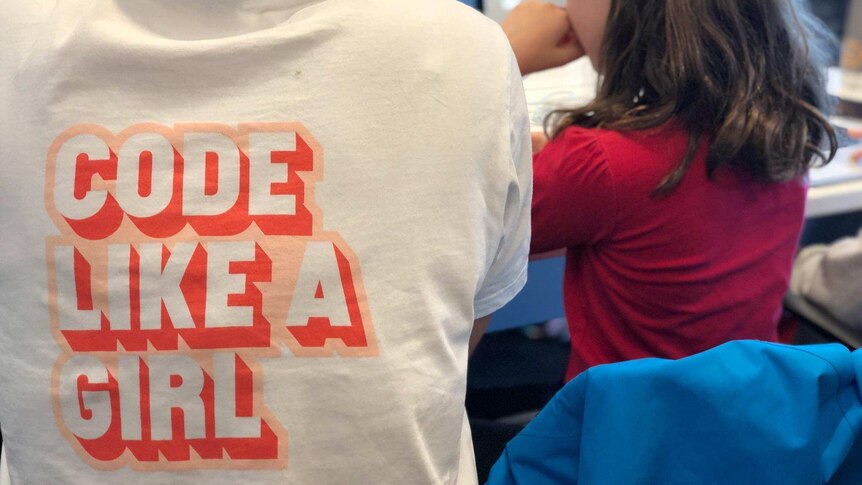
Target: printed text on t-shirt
[[185, 255]]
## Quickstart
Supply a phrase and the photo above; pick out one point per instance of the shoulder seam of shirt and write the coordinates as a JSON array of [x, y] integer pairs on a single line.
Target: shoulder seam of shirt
[[510, 127], [595, 139]]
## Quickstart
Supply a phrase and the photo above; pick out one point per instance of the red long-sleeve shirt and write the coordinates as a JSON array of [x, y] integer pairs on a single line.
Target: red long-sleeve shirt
[[666, 277]]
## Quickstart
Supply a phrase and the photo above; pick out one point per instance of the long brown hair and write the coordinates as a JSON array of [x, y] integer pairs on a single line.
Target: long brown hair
[[746, 74]]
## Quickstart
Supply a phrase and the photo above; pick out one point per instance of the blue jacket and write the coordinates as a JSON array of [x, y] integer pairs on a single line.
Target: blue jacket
[[743, 413]]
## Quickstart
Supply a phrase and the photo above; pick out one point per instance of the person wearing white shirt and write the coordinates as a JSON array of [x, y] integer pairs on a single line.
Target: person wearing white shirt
[[245, 241]]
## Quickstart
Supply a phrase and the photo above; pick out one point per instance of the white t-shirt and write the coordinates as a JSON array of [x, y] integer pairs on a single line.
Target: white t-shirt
[[244, 241]]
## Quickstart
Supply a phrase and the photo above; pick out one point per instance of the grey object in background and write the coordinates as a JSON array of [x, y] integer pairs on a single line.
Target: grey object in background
[[830, 277]]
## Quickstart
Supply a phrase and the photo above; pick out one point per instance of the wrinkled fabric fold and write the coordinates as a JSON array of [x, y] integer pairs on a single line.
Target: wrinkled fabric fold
[[744, 412]]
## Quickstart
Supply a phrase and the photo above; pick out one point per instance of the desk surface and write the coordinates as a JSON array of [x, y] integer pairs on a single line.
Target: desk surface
[[837, 188], [834, 199]]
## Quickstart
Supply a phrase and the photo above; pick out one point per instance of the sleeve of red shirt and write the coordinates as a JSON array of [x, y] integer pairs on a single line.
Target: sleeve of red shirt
[[574, 198]]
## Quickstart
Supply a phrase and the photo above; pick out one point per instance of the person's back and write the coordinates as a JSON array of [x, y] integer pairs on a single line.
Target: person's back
[[246, 240], [670, 276]]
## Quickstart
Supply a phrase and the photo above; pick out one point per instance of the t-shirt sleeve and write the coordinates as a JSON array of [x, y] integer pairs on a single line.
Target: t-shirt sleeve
[[507, 272], [831, 277], [575, 200]]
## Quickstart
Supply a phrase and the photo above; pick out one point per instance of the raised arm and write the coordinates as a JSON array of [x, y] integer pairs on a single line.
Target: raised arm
[[541, 36]]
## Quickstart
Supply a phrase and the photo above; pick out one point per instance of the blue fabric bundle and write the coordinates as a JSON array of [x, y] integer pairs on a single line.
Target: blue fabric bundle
[[745, 412]]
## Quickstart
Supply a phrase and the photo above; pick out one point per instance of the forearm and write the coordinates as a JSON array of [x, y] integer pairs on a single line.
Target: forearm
[[479, 327], [541, 36]]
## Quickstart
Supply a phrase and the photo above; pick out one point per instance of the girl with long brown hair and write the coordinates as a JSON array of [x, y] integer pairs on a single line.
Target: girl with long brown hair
[[679, 192]]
